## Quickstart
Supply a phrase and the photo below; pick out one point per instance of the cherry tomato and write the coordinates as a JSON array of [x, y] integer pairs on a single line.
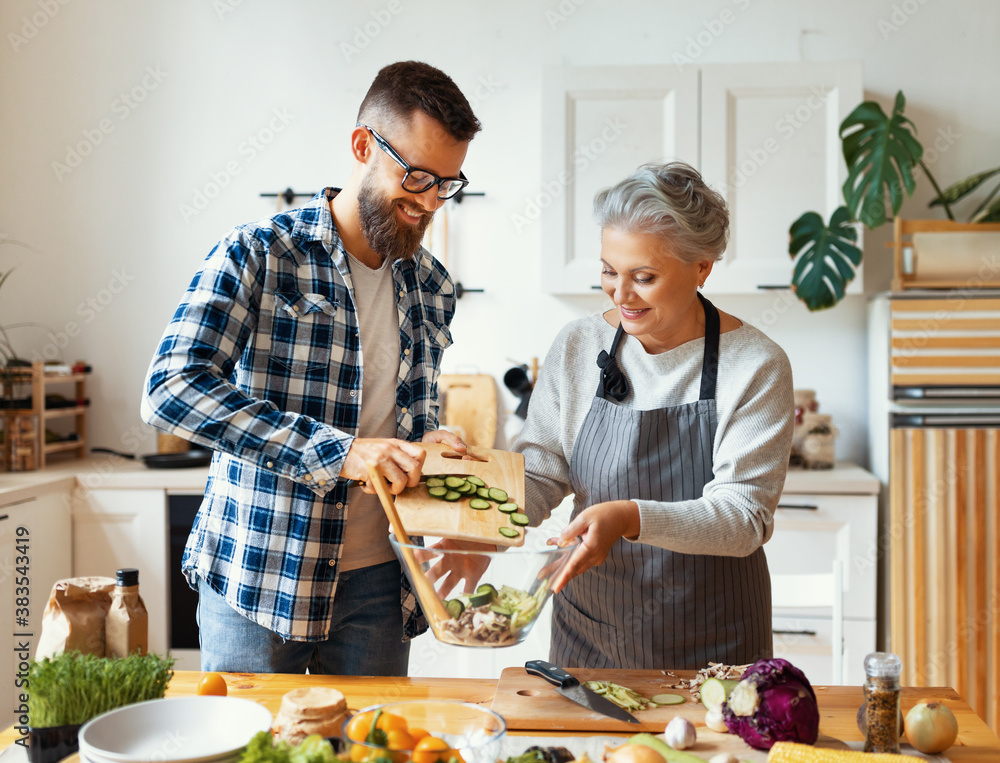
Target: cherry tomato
[[359, 726], [430, 749], [417, 733], [213, 684], [399, 739], [389, 722]]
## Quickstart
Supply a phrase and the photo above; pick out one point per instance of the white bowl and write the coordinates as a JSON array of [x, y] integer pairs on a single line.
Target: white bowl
[[174, 730]]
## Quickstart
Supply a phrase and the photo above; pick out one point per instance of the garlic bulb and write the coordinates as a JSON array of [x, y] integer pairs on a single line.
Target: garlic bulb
[[715, 721], [680, 733], [724, 757]]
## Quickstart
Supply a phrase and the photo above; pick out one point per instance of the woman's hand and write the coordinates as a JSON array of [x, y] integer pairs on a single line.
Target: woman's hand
[[452, 568], [599, 527]]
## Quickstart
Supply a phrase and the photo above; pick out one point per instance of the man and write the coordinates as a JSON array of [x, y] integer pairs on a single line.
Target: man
[[308, 346]]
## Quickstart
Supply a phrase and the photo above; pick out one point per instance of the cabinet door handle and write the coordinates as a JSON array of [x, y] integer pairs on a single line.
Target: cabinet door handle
[[799, 506], [793, 633]]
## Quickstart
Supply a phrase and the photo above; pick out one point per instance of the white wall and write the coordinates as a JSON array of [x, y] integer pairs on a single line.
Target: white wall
[[206, 76]]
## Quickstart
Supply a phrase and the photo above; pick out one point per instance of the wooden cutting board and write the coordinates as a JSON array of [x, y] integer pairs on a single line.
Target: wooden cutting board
[[470, 407], [423, 515], [532, 703]]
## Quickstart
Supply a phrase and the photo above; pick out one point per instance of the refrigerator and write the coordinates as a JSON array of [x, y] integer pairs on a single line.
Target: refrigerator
[[934, 367]]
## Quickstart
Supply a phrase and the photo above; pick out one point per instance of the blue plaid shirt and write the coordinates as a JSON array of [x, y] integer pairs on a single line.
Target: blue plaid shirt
[[262, 363]]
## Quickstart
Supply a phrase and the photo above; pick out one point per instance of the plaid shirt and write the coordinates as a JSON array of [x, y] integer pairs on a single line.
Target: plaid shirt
[[262, 363]]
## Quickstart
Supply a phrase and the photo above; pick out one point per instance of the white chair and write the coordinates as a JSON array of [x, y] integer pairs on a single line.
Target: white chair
[[809, 591]]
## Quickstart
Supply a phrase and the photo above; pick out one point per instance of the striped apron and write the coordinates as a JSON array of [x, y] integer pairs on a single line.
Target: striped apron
[[646, 607]]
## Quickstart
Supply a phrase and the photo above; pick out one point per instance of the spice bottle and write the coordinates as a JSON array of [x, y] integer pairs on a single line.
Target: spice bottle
[[127, 624], [882, 712]]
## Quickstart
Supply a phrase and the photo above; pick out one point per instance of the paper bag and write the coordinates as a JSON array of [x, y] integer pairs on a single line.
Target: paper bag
[[74, 617]]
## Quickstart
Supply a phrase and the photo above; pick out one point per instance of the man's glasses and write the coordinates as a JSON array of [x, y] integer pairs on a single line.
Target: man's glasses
[[417, 180]]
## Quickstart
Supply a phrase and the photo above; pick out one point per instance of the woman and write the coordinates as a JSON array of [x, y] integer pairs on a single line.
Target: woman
[[678, 461]]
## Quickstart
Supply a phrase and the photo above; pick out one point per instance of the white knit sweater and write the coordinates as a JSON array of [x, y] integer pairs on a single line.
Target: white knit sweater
[[755, 407]]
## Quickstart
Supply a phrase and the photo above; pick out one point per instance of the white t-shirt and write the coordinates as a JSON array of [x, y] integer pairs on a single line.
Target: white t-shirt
[[366, 533]]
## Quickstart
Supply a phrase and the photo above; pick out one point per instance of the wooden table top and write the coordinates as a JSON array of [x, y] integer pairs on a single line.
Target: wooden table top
[[838, 704]]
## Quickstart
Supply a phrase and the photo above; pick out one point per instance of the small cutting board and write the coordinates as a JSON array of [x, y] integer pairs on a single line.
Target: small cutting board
[[423, 515]]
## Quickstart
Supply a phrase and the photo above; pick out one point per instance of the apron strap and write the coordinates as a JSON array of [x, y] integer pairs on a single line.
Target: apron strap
[[710, 364], [612, 382]]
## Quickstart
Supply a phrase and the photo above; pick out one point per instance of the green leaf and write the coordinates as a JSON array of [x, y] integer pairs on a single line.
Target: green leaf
[[963, 188], [990, 214], [826, 257], [974, 217], [881, 152]]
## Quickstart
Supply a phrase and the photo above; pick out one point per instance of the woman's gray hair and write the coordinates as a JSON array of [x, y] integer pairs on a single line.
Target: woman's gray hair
[[672, 201]]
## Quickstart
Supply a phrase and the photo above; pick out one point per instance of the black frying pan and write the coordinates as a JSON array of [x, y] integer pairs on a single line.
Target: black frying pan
[[184, 460]]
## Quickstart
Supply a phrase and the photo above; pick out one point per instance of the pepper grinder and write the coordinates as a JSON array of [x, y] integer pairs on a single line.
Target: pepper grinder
[[882, 712]]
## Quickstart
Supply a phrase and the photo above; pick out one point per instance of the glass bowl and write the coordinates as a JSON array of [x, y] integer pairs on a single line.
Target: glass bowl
[[470, 733], [508, 590]]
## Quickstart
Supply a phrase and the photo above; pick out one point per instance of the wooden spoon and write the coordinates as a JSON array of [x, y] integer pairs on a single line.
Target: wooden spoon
[[433, 607]]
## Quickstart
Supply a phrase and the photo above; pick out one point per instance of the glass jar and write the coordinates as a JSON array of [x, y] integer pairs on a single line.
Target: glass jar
[[882, 711]]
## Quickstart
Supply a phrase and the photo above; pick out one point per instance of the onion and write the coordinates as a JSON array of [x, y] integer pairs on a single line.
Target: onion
[[931, 727], [633, 753]]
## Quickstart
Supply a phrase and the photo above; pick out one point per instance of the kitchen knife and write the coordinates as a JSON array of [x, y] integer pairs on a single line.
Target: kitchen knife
[[572, 689]]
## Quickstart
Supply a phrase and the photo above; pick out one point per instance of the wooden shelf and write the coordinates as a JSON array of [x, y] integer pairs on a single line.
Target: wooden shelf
[[59, 447], [59, 413], [40, 380]]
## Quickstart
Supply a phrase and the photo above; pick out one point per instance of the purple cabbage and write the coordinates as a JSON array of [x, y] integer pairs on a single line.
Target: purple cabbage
[[773, 702]]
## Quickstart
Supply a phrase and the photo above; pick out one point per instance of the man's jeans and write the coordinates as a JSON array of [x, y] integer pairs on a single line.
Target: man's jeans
[[366, 635]]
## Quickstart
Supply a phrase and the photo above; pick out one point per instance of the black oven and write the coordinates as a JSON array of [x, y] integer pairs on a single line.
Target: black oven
[[183, 600]]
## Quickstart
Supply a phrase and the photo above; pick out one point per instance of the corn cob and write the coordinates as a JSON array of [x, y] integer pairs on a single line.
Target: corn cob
[[792, 752]]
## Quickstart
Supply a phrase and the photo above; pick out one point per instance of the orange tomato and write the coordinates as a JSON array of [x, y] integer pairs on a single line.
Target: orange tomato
[[389, 722], [417, 733], [359, 726], [359, 753], [430, 749], [213, 684], [399, 739]]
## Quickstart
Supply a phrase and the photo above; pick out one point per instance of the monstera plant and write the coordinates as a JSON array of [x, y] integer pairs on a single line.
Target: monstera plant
[[882, 155]]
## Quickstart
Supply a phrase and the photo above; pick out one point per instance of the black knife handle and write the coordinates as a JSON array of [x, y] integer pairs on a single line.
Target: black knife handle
[[552, 674]]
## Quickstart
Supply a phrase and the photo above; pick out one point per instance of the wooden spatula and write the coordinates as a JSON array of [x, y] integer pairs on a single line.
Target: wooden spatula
[[429, 600]]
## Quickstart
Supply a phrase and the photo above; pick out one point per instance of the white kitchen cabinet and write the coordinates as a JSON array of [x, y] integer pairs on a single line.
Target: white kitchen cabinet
[[806, 642], [825, 516], [770, 144], [35, 552], [763, 135], [126, 528], [600, 123]]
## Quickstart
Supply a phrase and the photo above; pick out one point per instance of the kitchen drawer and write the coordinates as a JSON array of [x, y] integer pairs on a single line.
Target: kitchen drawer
[[806, 643], [812, 530]]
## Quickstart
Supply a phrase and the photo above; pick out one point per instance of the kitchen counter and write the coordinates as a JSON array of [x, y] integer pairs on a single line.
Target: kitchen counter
[[99, 471], [114, 472], [838, 704]]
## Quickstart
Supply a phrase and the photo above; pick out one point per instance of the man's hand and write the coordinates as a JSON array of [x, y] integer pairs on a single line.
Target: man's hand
[[448, 438], [599, 527], [396, 460]]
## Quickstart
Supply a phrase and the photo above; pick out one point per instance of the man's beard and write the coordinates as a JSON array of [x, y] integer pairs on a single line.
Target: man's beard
[[385, 234]]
